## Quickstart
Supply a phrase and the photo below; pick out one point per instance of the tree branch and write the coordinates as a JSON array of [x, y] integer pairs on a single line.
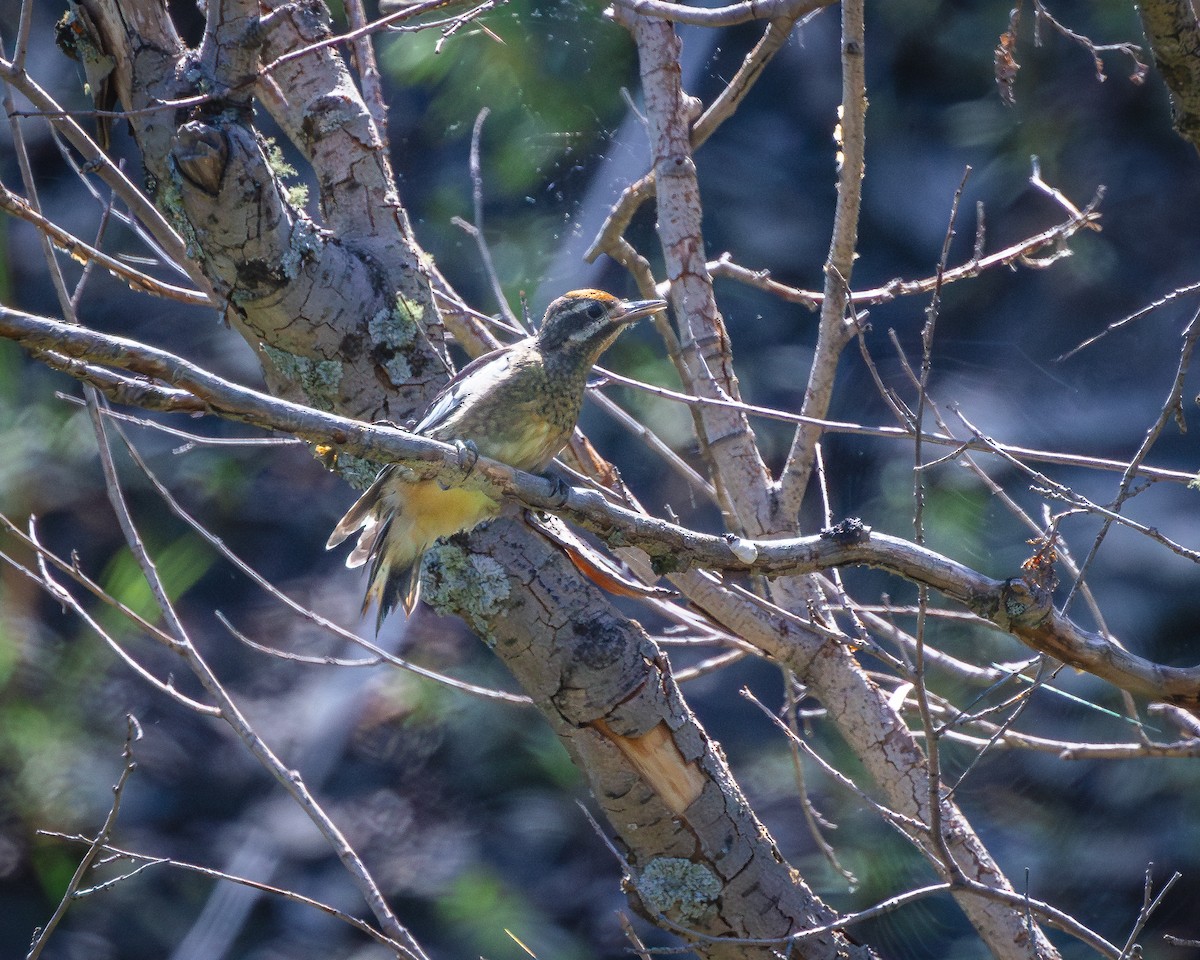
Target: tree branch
[[1013, 605]]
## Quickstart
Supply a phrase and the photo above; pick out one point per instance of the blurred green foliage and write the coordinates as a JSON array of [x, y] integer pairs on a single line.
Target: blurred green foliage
[[550, 76], [515, 853]]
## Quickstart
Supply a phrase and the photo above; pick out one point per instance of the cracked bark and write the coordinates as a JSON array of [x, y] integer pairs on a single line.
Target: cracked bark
[[1174, 33], [662, 782], [342, 317]]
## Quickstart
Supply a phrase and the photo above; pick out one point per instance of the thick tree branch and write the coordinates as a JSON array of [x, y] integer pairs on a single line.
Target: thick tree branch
[[835, 329], [1174, 33], [705, 355]]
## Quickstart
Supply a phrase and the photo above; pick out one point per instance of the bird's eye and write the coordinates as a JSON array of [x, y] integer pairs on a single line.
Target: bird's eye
[[595, 310]]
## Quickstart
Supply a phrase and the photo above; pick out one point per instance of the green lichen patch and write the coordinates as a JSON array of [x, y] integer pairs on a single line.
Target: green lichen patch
[[168, 197], [276, 160], [318, 379], [467, 584], [679, 889], [357, 471], [392, 333], [304, 244], [409, 313]]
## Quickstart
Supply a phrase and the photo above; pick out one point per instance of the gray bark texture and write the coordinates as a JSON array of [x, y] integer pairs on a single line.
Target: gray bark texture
[[344, 316]]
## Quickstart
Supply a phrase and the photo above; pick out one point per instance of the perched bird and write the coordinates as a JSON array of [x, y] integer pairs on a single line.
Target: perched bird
[[518, 405]]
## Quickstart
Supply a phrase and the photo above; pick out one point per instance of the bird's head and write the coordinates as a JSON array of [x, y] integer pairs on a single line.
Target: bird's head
[[584, 322]]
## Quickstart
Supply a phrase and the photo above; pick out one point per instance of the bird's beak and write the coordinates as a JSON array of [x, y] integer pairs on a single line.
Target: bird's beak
[[627, 311]]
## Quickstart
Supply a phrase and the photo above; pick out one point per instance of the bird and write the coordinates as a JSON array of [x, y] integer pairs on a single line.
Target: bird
[[518, 404]]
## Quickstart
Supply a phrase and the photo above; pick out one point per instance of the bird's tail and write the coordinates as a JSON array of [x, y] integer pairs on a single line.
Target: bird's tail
[[399, 521], [395, 573]]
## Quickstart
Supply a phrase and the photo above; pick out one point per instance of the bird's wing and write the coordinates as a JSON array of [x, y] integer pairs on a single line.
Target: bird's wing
[[362, 513], [471, 380]]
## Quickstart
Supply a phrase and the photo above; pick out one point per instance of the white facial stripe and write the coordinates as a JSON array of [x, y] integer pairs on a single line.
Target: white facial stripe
[[584, 334]]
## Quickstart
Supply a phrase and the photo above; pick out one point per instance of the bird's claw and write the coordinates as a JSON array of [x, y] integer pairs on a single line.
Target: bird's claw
[[559, 492], [468, 454]]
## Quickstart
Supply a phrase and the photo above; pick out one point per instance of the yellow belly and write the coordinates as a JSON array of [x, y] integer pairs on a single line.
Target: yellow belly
[[426, 512]]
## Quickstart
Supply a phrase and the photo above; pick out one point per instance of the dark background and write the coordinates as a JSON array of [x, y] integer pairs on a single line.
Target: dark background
[[465, 809]]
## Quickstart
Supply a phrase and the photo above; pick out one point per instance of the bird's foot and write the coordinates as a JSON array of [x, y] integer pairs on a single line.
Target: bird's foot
[[468, 454], [559, 492]]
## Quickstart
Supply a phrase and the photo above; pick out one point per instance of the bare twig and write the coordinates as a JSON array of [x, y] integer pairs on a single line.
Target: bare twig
[[133, 198], [96, 844], [817, 824], [406, 11], [1023, 253], [949, 867], [1130, 318], [85, 253], [289, 779], [1172, 409], [379, 654], [476, 229], [1150, 903], [149, 861], [1131, 50]]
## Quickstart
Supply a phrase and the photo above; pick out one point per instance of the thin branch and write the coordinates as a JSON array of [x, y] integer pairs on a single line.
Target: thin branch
[[1022, 253], [148, 861], [611, 238], [133, 198], [1008, 603], [97, 844], [56, 590], [1081, 504], [289, 779], [1149, 905], [726, 16], [1130, 318], [817, 824], [406, 12], [985, 445], [476, 229], [949, 867], [912, 828], [1070, 750], [1172, 409], [1131, 50], [378, 653], [907, 825]]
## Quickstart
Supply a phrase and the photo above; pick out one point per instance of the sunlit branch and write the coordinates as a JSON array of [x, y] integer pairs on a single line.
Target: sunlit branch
[[1015, 254], [1012, 604], [83, 252], [725, 16], [1071, 750], [406, 12], [137, 202], [611, 237], [837, 322]]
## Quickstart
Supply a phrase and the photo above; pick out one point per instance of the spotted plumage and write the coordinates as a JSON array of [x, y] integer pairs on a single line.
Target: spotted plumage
[[518, 404]]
